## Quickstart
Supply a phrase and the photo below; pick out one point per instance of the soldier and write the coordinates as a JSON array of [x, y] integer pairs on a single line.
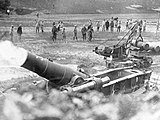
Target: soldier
[[116, 23], [11, 32], [103, 25], [119, 26], [107, 25], [111, 25], [64, 35], [54, 32], [75, 33], [98, 25], [90, 34], [89, 25], [19, 31], [59, 26], [127, 24], [83, 31], [140, 26], [144, 25], [42, 26], [37, 26]]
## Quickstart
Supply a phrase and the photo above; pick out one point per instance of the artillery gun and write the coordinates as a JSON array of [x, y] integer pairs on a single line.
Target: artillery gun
[[109, 81], [129, 71], [130, 51], [128, 68]]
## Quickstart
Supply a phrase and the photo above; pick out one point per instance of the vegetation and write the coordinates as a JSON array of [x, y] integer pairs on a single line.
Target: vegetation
[[4, 4]]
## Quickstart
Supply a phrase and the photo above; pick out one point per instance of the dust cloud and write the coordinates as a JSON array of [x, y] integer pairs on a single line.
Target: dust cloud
[[10, 55]]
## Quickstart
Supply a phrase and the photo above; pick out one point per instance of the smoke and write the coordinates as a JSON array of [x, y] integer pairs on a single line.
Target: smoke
[[10, 55]]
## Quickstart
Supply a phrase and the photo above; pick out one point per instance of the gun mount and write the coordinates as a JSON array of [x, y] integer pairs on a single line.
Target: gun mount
[[132, 51], [111, 81]]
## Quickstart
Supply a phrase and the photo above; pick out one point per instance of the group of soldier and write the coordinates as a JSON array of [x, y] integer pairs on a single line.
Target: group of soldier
[[141, 27], [84, 30], [109, 25], [114, 24], [19, 31], [87, 29], [39, 25], [57, 28]]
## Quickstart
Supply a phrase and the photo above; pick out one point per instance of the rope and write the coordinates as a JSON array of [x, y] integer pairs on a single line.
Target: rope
[[132, 30]]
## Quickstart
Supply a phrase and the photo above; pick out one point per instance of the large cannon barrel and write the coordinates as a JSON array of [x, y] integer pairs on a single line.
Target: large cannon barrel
[[140, 44], [155, 46], [54, 72]]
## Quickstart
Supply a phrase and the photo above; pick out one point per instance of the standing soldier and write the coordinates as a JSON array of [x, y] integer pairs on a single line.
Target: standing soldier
[[119, 26], [107, 25], [127, 24], [75, 33], [42, 26], [59, 26], [90, 34], [54, 32], [144, 25], [64, 35], [37, 26], [116, 23], [98, 25], [140, 26], [11, 32], [84, 30], [19, 31], [103, 25], [89, 25], [62, 24], [140, 29], [111, 25]]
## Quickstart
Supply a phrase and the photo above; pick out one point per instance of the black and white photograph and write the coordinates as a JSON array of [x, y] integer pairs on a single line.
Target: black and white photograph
[[79, 59]]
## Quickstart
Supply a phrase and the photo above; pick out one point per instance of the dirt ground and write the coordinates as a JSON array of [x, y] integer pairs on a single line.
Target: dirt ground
[[72, 53]]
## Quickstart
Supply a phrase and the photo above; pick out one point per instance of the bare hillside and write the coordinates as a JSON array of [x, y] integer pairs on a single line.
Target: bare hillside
[[89, 6]]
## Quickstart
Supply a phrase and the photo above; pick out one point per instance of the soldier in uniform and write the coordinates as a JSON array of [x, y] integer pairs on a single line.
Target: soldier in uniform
[[54, 32], [84, 30], [11, 32], [90, 34], [64, 35], [75, 33], [19, 31]]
